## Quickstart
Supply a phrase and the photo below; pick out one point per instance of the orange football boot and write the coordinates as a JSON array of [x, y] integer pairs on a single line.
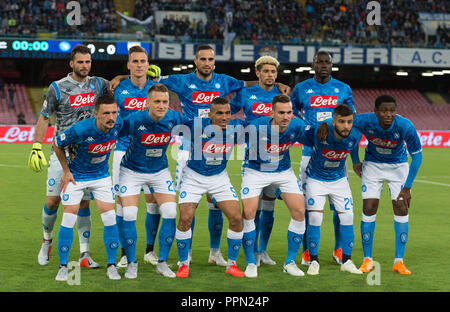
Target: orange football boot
[[233, 270], [400, 268], [183, 271], [366, 266]]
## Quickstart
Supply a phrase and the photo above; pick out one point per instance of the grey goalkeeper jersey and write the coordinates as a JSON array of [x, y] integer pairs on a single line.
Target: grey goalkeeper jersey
[[72, 101]]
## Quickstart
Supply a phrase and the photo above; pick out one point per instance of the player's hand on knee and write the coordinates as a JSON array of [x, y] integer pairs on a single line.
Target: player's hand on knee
[[37, 158], [404, 199], [322, 132]]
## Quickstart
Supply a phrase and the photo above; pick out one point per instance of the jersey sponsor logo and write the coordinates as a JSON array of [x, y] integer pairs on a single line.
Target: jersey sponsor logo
[[216, 148], [204, 97], [134, 103], [83, 99], [277, 148], [334, 155], [382, 142], [324, 101], [262, 108], [155, 138], [101, 148]]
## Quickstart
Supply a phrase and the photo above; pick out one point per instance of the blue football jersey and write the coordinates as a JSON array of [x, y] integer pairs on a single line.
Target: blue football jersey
[[390, 145], [196, 94], [149, 140], [255, 102], [130, 99], [211, 149], [317, 101], [91, 148], [267, 150], [328, 158]]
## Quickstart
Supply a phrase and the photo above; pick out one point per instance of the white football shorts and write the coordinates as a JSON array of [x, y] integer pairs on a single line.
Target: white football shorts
[[374, 174], [253, 182], [131, 182], [193, 185], [338, 192], [117, 159], [54, 174], [101, 189]]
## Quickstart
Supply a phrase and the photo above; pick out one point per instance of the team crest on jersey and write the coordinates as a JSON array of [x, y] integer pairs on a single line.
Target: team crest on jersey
[[63, 136], [336, 90], [396, 135], [217, 85], [92, 86]]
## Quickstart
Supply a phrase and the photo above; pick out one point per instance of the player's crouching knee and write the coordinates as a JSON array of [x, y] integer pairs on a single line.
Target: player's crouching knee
[[168, 210], [235, 222]]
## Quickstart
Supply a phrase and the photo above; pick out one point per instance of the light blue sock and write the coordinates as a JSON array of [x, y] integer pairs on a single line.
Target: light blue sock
[[234, 240], [130, 237], [294, 242], [401, 229], [347, 238], [65, 239], [313, 239], [215, 226], [151, 227], [267, 218], [111, 241], [165, 239], [248, 242], [336, 223], [367, 234], [184, 240]]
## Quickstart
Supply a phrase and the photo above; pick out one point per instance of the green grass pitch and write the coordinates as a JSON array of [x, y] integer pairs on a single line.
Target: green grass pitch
[[22, 194]]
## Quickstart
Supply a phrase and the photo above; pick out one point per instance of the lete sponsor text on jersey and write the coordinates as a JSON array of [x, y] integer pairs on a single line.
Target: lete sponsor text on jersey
[[277, 148], [155, 138], [382, 142], [83, 99], [101, 148], [216, 148], [262, 108], [134, 103], [204, 97], [324, 101], [334, 155]]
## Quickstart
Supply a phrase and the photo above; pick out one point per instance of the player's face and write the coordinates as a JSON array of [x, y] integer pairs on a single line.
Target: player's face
[[106, 116], [138, 64], [282, 115], [386, 114], [322, 66], [81, 65], [205, 61], [267, 75], [342, 126], [158, 104], [220, 115]]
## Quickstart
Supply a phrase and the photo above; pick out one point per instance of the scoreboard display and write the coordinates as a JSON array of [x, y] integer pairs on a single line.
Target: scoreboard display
[[60, 49]]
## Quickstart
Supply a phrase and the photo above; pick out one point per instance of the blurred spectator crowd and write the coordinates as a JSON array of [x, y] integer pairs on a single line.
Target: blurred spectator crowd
[[284, 21]]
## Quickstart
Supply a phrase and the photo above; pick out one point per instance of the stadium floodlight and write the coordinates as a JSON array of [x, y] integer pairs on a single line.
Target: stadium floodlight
[[437, 73], [312, 72], [184, 67], [427, 74], [190, 66], [335, 68], [176, 68], [245, 70], [401, 73], [287, 71], [446, 71]]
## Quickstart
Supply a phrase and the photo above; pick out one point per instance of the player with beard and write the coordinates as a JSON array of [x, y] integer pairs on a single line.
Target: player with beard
[[316, 98], [71, 99], [325, 177]]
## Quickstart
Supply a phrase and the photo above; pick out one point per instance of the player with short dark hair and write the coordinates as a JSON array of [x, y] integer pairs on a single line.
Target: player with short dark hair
[[390, 138], [316, 98], [92, 141]]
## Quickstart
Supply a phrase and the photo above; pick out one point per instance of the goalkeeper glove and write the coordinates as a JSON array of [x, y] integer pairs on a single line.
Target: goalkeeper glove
[[154, 71], [37, 158]]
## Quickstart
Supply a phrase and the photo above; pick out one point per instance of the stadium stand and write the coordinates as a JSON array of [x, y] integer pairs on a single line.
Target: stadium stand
[[8, 114]]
